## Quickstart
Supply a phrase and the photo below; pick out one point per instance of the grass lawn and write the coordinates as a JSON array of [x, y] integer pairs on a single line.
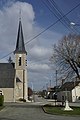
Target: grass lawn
[[59, 110]]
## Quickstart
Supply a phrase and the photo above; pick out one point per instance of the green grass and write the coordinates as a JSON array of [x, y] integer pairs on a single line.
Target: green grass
[[60, 110]]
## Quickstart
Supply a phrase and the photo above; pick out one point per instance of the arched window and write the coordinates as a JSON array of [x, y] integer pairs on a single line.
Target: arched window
[[19, 61]]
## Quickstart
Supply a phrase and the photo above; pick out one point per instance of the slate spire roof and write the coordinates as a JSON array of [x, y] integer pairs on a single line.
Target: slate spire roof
[[20, 47]]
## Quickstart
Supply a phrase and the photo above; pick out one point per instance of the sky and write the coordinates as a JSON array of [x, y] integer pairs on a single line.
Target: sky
[[35, 17]]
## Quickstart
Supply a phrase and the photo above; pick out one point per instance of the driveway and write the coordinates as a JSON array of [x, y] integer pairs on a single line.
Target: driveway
[[28, 111]]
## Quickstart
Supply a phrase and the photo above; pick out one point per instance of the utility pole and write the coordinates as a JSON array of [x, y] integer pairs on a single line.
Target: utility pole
[[46, 86], [56, 89], [50, 83], [56, 79]]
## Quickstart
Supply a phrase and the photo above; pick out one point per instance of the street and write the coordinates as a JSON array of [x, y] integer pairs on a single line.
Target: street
[[42, 101], [29, 111]]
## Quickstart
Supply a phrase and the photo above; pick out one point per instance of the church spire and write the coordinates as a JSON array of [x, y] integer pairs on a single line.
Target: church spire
[[20, 47]]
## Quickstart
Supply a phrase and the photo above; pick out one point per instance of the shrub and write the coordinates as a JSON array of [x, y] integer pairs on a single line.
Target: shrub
[[1, 100], [79, 98], [21, 99]]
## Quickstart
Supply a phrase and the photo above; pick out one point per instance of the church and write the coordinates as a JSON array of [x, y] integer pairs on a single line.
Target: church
[[13, 76]]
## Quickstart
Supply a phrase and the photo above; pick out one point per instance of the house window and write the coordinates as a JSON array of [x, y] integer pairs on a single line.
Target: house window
[[0, 92], [19, 61]]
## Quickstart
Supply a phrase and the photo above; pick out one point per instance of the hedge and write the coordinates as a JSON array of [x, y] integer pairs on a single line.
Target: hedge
[[21, 99], [1, 100]]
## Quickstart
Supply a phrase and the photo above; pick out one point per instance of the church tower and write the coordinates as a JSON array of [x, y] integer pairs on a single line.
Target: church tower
[[21, 89]]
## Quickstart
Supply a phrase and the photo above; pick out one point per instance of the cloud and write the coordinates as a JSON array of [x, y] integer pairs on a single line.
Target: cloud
[[9, 17], [6, 3], [41, 47], [40, 52], [38, 67]]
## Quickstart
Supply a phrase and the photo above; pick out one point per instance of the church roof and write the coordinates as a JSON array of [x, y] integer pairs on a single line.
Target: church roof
[[7, 75], [20, 47]]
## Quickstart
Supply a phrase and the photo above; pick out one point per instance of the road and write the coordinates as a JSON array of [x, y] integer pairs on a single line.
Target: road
[[29, 111], [42, 101]]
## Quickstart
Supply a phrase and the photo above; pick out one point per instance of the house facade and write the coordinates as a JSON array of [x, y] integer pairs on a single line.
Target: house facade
[[69, 91], [76, 93], [13, 76]]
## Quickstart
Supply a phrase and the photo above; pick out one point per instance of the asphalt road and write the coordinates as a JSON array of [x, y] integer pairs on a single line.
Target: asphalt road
[[29, 111]]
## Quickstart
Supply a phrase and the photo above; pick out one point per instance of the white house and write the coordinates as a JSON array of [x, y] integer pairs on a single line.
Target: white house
[[76, 93], [70, 91]]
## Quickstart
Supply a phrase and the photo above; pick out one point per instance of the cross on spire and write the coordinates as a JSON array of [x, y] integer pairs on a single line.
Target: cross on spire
[[20, 15]]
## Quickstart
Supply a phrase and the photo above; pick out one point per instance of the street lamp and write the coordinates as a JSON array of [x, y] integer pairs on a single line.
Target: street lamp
[[56, 80], [74, 24]]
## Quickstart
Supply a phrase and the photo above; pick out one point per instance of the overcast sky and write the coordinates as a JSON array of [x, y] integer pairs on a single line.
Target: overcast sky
[[35, 18]]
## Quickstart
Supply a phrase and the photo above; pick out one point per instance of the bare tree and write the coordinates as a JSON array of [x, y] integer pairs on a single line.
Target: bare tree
[[66, 55]]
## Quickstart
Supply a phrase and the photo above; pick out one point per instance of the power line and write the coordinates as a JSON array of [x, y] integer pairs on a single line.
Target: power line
[[53, 7], [6, 55], [45, 29], [65, 18], [53, 11]]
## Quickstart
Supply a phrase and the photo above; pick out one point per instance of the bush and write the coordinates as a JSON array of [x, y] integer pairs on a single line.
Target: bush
[[79, 98], [21, 99], [1, 100]]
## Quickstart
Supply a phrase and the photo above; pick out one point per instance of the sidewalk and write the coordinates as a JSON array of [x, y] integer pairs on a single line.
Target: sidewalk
[[52, 102]]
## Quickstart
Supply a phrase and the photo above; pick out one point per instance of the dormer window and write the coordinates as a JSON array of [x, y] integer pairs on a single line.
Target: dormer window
[[19, 61]]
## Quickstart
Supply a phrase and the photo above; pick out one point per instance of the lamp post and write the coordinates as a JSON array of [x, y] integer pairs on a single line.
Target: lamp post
[[50, 83], [74, 24], [75, 89], [56, 81], [56, 89], [46, 86]]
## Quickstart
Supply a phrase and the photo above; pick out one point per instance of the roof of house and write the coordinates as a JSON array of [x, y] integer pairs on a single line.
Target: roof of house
[[7, 75], [69, 85]]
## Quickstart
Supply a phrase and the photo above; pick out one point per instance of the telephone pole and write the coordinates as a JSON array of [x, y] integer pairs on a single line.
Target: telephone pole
[[56, 89], [56, 78]]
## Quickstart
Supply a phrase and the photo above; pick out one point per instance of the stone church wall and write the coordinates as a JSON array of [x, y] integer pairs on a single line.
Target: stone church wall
[[8, 94]]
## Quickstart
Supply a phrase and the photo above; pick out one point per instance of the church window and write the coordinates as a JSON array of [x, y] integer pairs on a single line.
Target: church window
[[19, 61]]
